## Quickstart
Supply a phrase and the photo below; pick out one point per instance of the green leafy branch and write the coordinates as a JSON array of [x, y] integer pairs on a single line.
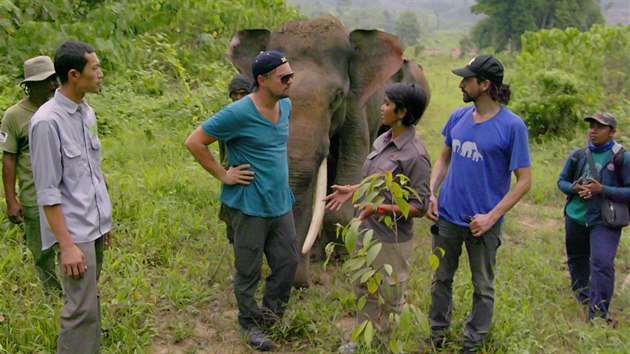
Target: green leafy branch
[[359, 266]]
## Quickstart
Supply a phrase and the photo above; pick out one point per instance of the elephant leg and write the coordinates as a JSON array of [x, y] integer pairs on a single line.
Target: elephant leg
[[302, 278]]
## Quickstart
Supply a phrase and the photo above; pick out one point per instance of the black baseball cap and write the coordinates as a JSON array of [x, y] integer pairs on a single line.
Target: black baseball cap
[[484, 66], [239, 82]]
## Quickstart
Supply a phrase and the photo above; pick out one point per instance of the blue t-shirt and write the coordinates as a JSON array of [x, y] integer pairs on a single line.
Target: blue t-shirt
[[251, 139], [482, 160]]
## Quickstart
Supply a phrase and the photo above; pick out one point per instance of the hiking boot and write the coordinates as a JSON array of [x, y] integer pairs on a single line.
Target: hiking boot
[[469, 349], [256, 339], [432, 344], [268, 318], [347, 348]]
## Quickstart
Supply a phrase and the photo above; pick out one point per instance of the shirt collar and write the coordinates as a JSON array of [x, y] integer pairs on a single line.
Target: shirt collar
[[67, 103], [400, 141]]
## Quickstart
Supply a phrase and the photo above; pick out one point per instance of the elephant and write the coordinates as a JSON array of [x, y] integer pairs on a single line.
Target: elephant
[[337, 76]]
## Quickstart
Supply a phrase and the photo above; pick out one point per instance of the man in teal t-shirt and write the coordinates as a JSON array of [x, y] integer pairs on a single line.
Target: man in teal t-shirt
[[256, 191], [40, 82]]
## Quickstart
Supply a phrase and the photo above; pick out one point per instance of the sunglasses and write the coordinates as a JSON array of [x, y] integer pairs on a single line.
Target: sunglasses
[[286, 77]]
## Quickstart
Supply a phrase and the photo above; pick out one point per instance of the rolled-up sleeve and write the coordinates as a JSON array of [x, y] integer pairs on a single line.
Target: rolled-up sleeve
[[46, 161]]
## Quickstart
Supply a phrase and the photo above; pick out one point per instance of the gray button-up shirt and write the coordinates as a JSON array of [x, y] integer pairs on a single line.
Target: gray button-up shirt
[[65, 155], [404, 155]]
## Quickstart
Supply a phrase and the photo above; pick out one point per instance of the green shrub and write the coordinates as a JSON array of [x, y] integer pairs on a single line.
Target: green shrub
[[563, 75], [184, 38], [549, 104]]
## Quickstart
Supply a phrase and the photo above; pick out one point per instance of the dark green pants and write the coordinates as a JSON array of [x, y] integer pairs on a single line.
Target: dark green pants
[[44, 259], [276, 239], [482, 252]]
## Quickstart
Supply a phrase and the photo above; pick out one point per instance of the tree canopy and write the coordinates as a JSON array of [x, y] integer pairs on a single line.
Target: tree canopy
[[408, 28], [508, 19]]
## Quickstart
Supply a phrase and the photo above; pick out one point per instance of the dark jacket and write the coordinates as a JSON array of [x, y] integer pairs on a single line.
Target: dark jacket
[[607, 177]]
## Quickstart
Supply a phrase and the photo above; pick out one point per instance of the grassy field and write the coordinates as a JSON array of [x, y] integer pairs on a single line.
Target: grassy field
[[166, 286]]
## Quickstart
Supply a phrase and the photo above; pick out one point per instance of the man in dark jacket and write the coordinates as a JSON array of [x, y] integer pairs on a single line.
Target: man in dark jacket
[[591, 246]]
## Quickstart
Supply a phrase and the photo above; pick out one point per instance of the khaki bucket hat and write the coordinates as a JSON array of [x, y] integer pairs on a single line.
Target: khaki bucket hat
[[38, 69]]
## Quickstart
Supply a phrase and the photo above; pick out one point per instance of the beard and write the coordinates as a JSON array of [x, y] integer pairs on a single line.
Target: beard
[[467, 98]]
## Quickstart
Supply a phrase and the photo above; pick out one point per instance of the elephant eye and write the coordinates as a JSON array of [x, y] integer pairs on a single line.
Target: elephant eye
[[337, 99]]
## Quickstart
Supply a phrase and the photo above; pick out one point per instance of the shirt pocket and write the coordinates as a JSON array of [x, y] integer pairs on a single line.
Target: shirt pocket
[[95, 154], [73, 162]]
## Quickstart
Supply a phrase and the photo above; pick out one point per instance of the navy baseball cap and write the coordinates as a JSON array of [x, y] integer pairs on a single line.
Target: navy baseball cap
[[485, 66], [267, 61]]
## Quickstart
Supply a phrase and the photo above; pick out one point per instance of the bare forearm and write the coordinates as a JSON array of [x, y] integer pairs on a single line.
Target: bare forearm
[[203, 156], [439, 171], [391, 209], [516, 193], [9, 163], [58, 225], [197, 143]]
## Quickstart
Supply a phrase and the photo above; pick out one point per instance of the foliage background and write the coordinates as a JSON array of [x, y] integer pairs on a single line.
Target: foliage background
[[167, 282]]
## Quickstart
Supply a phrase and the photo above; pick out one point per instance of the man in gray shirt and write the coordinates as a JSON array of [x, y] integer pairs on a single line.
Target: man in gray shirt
[[71, 193]]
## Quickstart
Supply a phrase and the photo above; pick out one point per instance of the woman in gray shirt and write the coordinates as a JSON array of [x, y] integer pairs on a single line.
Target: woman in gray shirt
[[400, 152]]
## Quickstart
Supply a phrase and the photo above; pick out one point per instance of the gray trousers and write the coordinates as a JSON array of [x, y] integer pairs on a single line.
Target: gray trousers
[[482, 253], [393, 288], [276, 239], [80, 318], [44, 259]]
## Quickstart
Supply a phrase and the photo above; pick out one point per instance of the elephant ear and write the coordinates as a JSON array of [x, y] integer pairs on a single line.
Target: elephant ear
[[244, 47], [377, 56], [414, 73]]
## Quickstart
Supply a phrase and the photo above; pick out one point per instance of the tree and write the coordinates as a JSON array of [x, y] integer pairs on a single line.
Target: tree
[[408, 28], [509, 19]]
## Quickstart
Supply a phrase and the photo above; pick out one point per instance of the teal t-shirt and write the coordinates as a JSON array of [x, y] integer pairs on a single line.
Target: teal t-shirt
[[578, 207], [251, 139]]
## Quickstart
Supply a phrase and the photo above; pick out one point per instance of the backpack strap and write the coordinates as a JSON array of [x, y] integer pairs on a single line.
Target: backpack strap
[[618, 161], [577, 156]]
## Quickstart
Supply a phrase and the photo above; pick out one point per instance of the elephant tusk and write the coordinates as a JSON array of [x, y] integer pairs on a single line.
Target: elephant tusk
[[318, 207]]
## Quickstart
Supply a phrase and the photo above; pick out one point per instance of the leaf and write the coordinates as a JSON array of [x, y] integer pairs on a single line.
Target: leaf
[[367, 275], [389, 178], [330, 247], [369, 198], [372, 286], [393, 344], [359, 331], [351, 235], [360, 192], [434, 261], [367, 239], [388, 269], [353, 264], [361, 302], [373, 253], [368, 334], [358, 274]]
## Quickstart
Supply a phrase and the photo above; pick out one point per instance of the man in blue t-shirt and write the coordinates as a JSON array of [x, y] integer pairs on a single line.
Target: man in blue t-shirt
[[484, 143], [256, 191]]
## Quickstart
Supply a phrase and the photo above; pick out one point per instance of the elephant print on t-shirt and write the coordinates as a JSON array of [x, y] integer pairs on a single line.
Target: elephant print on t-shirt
[[468, 149]]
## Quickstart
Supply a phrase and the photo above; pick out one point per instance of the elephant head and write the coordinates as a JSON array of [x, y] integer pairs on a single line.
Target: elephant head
[[336, 72]]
